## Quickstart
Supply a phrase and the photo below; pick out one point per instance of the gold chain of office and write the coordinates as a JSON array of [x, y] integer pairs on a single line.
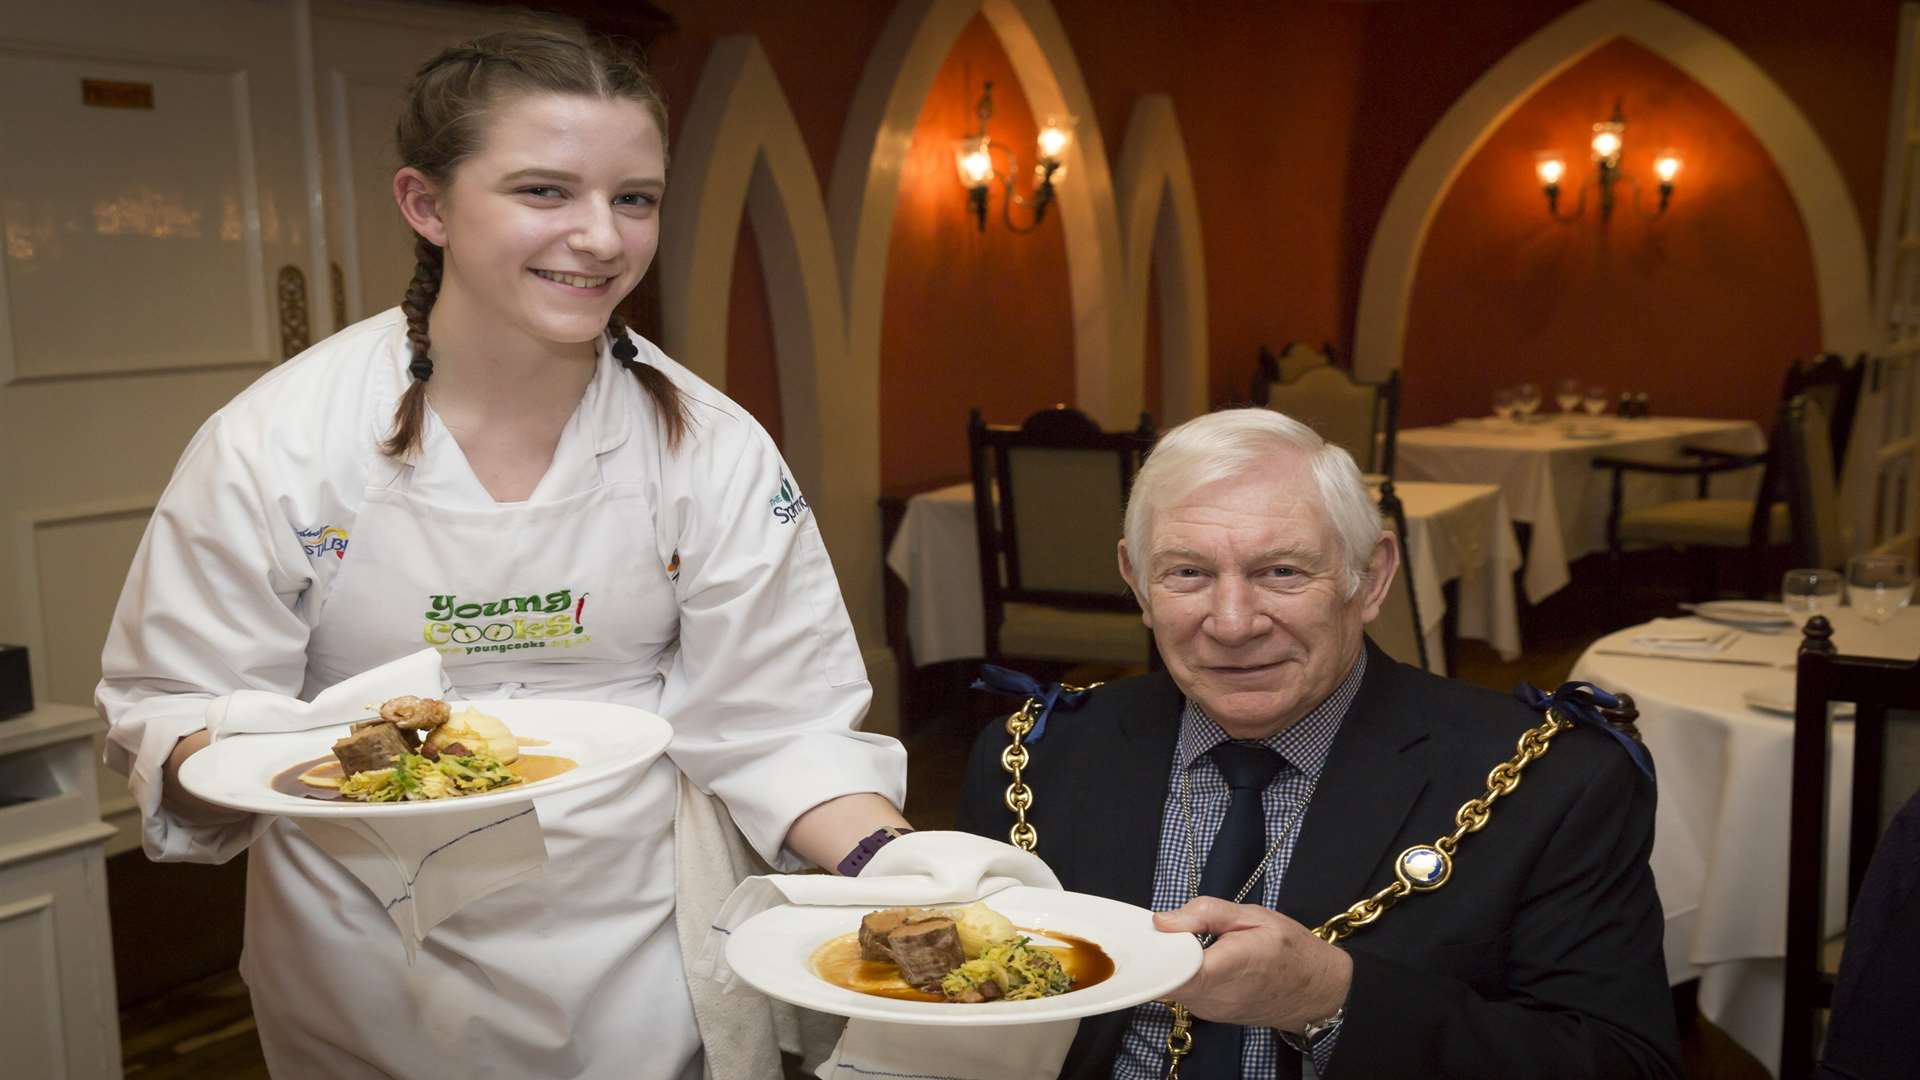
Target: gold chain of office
[[1420, 868]]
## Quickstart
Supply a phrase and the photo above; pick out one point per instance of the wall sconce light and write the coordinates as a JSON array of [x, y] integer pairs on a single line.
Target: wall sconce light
[[974, 158], [1609, 138]]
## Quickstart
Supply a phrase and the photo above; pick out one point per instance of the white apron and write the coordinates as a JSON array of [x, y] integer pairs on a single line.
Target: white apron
[[576, 973]]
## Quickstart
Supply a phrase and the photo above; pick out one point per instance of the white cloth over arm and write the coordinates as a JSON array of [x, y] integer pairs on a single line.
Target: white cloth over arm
[[767, 685], [208, 608]]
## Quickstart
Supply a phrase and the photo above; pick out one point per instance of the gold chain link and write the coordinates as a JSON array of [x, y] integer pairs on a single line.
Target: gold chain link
[[1019, 797], [1472, 816]]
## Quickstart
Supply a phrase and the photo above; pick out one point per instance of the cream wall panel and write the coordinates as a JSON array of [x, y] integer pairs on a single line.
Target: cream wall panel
[[30, 1025]]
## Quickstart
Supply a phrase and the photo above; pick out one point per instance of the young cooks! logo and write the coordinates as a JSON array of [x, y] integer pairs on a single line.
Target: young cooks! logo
[[323, 539], [788, 503], [459, 626]]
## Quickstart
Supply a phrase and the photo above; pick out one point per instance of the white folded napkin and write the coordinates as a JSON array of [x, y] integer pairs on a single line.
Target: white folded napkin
[[918, 869], [422, 869], [1684, 635]]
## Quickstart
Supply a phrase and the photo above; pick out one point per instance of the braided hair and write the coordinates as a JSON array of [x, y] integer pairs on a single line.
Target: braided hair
[[442, 124]]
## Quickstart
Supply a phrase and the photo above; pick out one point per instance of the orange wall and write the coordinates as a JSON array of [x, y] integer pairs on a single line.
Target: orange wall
[[1298, 118], [1700, 309], [1833, 59], [971, 317]]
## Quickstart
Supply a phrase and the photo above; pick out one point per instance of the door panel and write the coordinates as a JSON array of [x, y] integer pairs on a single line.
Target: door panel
[[158, 179], [175, 238]]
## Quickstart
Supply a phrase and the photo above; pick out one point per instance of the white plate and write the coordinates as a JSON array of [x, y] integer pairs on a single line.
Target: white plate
[[1778, 697], [602, 737], [1743, 612], [772, 952]]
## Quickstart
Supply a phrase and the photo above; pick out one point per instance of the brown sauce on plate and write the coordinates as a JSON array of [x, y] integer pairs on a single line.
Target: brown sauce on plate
[[839, 962], [530, 768]]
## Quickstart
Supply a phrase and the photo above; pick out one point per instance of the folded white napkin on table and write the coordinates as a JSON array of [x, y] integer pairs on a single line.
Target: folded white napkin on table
[[422, 869], [1685, 635], [919, 869]]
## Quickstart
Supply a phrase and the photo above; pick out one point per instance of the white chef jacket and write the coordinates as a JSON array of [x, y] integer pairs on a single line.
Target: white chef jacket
[[753, 662]]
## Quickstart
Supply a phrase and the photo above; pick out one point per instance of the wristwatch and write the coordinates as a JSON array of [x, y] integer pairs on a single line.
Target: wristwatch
[[865, 850], [1315, 1032]]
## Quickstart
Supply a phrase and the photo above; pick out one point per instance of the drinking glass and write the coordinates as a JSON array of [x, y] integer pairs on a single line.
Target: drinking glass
[[1806, 593], [1596, 400], [1567, 395], [1503, 404], [1526, 399], [1879, 585]]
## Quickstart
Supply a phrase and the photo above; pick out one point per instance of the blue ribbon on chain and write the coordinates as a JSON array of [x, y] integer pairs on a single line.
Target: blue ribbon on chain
[[1581, 703], [999, 680]]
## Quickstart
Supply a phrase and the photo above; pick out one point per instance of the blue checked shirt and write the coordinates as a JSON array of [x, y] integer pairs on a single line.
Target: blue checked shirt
[[1304, 745]]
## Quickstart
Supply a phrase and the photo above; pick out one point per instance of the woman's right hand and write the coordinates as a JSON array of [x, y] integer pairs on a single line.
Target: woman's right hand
[[179, 801]]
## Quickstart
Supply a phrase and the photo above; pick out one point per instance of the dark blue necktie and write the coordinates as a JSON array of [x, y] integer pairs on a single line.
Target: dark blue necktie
[[1236, 852]]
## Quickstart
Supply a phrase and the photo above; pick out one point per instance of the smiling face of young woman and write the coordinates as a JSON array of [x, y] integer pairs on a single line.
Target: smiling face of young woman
[[553, 221]]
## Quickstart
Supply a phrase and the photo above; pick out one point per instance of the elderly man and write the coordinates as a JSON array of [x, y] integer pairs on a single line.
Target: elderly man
[[1284, 761]]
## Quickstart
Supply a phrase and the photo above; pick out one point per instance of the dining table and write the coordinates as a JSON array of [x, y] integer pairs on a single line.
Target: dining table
[[1717, 719], [1458, 535], [1544, 466]]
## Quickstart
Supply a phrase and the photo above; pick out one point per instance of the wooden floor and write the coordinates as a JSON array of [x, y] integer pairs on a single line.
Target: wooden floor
[[205, 1030]]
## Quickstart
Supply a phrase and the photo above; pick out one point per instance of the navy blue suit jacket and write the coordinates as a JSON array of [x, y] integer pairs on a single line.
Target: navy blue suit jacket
[[1541, 957]]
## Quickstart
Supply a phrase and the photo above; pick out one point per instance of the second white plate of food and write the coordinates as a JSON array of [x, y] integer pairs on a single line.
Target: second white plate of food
[[774, 952], [260, 773]]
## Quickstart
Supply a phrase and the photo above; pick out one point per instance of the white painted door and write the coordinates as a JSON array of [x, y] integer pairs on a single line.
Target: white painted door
[[365, 51], [158, 198]]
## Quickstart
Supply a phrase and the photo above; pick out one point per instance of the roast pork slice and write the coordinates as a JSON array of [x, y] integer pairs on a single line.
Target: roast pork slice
[[926, 951], [371, 746], [875, 928]]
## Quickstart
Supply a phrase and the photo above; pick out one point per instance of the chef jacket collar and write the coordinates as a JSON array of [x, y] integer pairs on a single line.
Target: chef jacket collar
[[604, 406]]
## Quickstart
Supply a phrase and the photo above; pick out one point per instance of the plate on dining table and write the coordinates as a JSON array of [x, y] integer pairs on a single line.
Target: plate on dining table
[[260, 773], [1777, 697], [1752, 614], [774, 952]]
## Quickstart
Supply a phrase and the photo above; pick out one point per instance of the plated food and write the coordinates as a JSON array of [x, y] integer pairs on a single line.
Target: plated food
[[964, 955], [419, 749]]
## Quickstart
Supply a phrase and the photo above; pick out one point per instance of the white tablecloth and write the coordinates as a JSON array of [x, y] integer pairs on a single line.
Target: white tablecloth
[[1454, 531], [1720, 842], [1549, 479]]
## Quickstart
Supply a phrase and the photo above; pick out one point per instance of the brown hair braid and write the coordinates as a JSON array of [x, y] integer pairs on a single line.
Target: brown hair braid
[[443, 123]]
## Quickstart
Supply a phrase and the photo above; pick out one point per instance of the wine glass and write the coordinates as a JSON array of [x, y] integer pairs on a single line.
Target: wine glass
[[1567, 395], [1595, 401], [1806, 593], [1503, 403], [1879, 585], [1526, 399]]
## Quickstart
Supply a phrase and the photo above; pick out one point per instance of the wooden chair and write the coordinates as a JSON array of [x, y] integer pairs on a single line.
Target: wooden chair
[[1813, 487], [1729, 527], [1876, 686], [1398, 629], [1362, 418], [1293, 360], [1048, 500]]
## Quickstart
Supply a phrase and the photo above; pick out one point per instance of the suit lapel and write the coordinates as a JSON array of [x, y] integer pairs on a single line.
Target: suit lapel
[[1373, 773], [1121, 781]]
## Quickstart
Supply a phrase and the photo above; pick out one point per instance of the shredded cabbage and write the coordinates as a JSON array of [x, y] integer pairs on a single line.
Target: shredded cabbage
[[1023, 972], [414, 777]]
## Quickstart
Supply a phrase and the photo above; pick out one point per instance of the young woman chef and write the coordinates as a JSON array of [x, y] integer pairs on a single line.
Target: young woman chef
[[413, 480]]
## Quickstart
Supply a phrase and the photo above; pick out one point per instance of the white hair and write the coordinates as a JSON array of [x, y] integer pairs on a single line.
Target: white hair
[[1233, 442]]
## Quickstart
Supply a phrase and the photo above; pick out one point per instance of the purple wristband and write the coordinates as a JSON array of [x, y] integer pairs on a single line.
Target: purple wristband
[[864, 851]]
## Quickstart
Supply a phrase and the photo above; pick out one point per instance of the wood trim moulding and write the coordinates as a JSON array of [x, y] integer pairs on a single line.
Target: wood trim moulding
[[1834, 230]]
